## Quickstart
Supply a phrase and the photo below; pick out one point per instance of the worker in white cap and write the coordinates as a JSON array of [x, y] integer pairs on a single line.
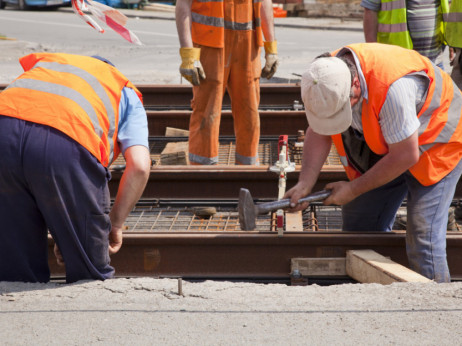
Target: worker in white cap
[[398, 133]]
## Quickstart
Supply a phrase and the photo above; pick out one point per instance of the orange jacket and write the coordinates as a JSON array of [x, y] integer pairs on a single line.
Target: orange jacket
[[440, 132], [211, 18], [74, 94]]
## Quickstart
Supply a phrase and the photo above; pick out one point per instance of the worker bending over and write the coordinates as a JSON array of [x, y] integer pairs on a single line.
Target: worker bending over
[[62, 123], [220, 50], [395, 120]]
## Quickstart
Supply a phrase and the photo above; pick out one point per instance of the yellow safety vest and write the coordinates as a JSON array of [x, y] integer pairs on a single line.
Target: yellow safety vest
[[392, 23], [453, 23]]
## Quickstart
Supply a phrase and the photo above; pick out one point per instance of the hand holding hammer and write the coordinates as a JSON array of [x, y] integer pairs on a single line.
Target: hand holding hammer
[[248, 211]]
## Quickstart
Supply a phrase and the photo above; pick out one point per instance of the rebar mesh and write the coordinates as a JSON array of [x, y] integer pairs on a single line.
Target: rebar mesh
[[267, 151], [155, 218]]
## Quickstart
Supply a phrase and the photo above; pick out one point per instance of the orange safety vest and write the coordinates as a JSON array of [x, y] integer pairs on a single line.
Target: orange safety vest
[[440, 132], [211, 18], [74, 94]]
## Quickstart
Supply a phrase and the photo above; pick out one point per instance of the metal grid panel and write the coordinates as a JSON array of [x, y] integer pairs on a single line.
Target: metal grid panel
[[155, 218], [267, 151], [322, 218], [177, 219]]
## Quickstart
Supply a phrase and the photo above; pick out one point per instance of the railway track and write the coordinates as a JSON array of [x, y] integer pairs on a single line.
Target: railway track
[[165, 238]]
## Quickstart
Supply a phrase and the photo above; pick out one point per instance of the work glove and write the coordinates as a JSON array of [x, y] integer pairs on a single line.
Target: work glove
[[271, 57], [191, 67]]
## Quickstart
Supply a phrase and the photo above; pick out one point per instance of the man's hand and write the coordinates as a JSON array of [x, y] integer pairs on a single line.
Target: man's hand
[[115, 239], [272, 61], [342, 193], [191, 67], [294, 194]]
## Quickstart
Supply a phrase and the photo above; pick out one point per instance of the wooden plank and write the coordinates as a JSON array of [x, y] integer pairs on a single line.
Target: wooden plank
[[174, 132], [294, 222], [328, 266], [368, 266], [175, 153]]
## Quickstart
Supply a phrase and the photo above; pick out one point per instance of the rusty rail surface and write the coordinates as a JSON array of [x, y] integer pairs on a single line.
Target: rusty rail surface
[[171, 96], [180, 95], [224, 180], [167, 239], [272, 122]]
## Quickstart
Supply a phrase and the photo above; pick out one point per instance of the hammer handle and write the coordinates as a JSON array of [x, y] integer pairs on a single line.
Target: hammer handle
[[285, 203]]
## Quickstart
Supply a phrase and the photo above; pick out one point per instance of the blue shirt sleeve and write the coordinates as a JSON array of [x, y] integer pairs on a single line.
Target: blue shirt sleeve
[[133, 122]]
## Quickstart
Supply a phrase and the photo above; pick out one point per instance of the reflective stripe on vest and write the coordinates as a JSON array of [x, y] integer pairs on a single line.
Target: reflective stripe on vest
[[74, 95], [440, 132], [392, 24], [453, 24], [209, 22]]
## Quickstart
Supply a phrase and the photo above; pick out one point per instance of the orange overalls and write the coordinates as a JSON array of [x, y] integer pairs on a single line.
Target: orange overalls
[[229, 36]]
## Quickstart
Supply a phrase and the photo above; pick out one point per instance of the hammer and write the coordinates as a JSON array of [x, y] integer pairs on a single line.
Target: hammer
[[248, 211]]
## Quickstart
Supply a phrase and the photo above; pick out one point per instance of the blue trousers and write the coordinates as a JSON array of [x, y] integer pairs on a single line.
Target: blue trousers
[[427, 218], [49, 182]]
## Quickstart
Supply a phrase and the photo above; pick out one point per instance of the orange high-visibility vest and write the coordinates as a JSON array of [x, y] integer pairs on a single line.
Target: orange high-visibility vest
[[440, 132], [211, 18], [74, 94]]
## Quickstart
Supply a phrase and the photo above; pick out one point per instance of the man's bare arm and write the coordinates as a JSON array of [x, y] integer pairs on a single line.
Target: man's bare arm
[[370, 25], [267, 20], [183, 22], [132, 184]]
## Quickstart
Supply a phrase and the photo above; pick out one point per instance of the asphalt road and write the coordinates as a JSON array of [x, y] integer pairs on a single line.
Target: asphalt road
[[157, 61]]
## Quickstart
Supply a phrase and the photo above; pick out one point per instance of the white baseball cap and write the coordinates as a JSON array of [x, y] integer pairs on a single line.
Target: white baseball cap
[[325, 92]]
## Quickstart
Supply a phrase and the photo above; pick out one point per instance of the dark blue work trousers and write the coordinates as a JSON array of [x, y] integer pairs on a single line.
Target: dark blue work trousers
[[50, 182]]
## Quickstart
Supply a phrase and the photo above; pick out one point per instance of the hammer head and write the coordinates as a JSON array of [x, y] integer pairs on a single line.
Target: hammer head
[[247, 213]]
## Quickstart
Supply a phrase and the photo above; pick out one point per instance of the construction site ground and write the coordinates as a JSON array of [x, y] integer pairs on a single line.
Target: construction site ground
[[150, 311]]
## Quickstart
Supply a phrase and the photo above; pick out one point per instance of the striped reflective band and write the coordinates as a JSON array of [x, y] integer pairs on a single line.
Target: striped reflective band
[[425, 117], [239, 26], [452, 17], [344, 160], [400, 27], [203, 160], [392, 5], [206, 20], [60, 90], [246, 160], [78, 98], [221, 23], [453, 112]]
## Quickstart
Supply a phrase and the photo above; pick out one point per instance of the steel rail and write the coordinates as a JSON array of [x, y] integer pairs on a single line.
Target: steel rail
[[249, 255], [272, 122], [224, 182], [180, 95]]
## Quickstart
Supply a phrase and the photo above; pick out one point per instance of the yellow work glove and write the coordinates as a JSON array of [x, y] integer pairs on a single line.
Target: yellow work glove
[[271, 57], [191, 67]]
